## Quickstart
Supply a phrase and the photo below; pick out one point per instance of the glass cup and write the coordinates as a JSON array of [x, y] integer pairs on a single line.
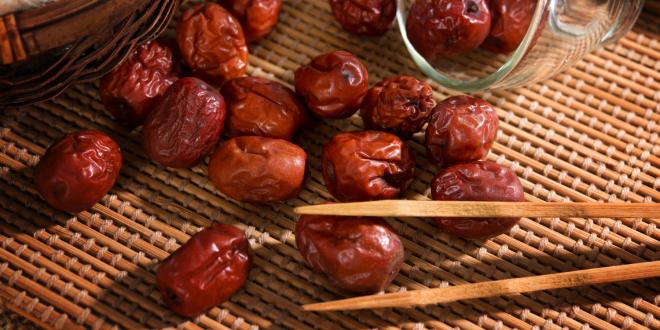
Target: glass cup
[[561, 33]]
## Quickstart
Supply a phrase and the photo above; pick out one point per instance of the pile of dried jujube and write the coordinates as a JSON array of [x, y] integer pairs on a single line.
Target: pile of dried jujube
[[185, 94]]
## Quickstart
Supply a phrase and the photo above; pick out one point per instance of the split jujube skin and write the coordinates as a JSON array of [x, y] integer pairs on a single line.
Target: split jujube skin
[[477, 181], [258, 17], [130, 91], [357, 253], [461, 129], [205, 271], [511, 20], [446, 28], [367, 165], [333, 85], [185, 125], [261, 107], [212, 43], [400, 105], [364, 17], [256, 169], [78, 170]]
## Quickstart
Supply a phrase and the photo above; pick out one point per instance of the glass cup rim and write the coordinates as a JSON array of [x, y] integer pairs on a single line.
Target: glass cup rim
[[483, 83]]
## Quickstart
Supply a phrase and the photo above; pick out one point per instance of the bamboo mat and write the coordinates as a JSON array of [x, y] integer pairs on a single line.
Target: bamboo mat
[[590, 134]]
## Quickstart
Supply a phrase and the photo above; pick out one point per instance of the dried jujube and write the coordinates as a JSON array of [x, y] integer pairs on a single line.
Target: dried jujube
[[212, 43], [368, 165], [511, 20], [130, 91], [358, 254], [256, 169], [258, 17], [333, 84], [364, 17], [206, 271], [185, 125], [445, 28], [399, 105], [477, 181], [78, 170], [461, 129], [258, 106]]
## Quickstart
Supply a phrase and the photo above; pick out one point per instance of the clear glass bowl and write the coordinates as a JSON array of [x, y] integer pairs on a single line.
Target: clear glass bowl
[[569, 29]]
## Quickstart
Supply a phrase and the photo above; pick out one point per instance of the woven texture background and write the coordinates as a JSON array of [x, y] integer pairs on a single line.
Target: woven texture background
[[590, 134]]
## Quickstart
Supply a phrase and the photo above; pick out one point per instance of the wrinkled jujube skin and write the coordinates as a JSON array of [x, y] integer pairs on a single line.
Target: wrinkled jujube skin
[[261, 107], [212, 43], [399, 105], [364, 17], [368, 165], [357, 253], [256, 169], [477, 181], [333, 84], [204, 272], [258, 17], [461, 129], [78, 170], [446, 28], [185, 124], [130, 91], [511, 19]]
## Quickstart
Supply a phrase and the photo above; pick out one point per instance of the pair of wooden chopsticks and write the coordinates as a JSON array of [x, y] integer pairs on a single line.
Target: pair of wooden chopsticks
[[406, 208]]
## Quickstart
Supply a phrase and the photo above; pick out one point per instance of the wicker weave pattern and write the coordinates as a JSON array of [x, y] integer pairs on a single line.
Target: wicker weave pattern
[[590, 134]]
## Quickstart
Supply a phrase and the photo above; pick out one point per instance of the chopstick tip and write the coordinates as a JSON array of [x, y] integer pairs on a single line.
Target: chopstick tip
[[299, 210], [313, 307]]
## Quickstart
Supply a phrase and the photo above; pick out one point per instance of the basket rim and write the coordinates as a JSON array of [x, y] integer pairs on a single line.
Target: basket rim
[[51, 12]]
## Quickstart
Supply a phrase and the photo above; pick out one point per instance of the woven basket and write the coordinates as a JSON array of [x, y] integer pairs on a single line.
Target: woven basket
[[46, 49]]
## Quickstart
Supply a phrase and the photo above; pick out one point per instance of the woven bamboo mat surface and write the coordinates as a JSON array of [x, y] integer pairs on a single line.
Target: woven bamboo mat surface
[[590, 134]]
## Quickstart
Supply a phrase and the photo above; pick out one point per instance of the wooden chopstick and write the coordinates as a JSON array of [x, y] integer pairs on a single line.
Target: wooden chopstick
[[494, 288], [411, 208]]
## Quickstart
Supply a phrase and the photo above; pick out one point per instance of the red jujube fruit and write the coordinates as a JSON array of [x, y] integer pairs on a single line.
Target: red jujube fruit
[[212, 43], [206, 271], [368, 165], [358, 254], [333, 84], [258, 17], [130, 91], [478, 181], [78, 170], [461, 129], [446, 28], [185, 125]]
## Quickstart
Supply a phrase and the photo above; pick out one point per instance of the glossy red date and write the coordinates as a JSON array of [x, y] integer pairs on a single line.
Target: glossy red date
[[333, 84], [446, 28], [399, 105], [511, 20], [364, 17], [461, 129], [185, 125], [256, 169], [358, 254], [206, 271], [478, 181], [368, 165], [258, 17], [212, 43], [130, 91], [261, 107], [78, 170]]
